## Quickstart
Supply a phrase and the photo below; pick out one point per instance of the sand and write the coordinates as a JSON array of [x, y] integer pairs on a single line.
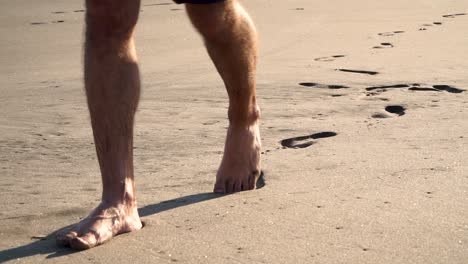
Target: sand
[[378, 187]]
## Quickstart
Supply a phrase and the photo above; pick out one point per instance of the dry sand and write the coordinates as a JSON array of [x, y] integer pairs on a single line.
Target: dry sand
[[388, 188]]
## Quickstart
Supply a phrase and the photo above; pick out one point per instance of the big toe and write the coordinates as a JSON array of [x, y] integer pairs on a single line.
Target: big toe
[[63, 239], [86, 241], [219, 188]]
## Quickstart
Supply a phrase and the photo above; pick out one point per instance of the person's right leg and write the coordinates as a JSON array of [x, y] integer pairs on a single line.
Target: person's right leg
[[112, 88]]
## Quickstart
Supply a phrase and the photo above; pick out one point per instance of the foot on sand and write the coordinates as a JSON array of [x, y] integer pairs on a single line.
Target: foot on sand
[[105, 222], [240, 167]]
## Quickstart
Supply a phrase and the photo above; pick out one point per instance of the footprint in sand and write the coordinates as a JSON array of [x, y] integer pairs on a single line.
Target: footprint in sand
[[209, 123], [448, 88], [414, 87], [43, 23], [380, 115], [424, 27], [391, 33], [454, 15], [393, 109], [423, 89], [329, 58], [383, 88], [305, 141], [158, 4], [396, 109], [384, 45], [359, 71], [317, 85]]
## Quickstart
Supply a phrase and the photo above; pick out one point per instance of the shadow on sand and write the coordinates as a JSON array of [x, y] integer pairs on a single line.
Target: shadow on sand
[[47, 246]]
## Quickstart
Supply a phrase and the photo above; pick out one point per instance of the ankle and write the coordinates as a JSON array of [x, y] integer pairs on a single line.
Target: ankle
[[126, 200]]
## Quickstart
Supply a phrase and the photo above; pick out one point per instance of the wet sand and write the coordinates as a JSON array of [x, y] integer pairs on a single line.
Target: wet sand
[[364, 120]]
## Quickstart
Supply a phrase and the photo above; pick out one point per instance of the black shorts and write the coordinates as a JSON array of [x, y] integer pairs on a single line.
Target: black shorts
[[197, 1]]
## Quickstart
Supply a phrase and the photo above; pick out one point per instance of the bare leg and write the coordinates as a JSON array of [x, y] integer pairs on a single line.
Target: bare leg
[[230, 38], [112, 88]]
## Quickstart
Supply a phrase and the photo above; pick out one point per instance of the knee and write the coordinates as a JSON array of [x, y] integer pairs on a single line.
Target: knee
[[211, 20], [109, 19]]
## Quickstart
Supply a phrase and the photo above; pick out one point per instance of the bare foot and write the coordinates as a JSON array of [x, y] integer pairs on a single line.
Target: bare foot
[[105, 222], [240, 167]]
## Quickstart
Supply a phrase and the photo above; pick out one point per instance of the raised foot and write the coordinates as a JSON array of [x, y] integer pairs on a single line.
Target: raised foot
[[104, 222], [240, 166]]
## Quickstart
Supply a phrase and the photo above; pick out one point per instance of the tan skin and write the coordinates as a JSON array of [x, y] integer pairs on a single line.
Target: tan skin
[[113, 87]]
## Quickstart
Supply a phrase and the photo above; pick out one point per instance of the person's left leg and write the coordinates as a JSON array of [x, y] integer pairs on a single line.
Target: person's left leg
[[231, 41]]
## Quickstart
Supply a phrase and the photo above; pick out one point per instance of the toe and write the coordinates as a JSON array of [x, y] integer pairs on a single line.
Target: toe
[[246, 184], [219, 188], [251, 183], [64, 239], [86, 241], [238, 187], [230, 186]]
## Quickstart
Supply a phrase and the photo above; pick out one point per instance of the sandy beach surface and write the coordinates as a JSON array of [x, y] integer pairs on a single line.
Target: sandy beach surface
[[364, 125]]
